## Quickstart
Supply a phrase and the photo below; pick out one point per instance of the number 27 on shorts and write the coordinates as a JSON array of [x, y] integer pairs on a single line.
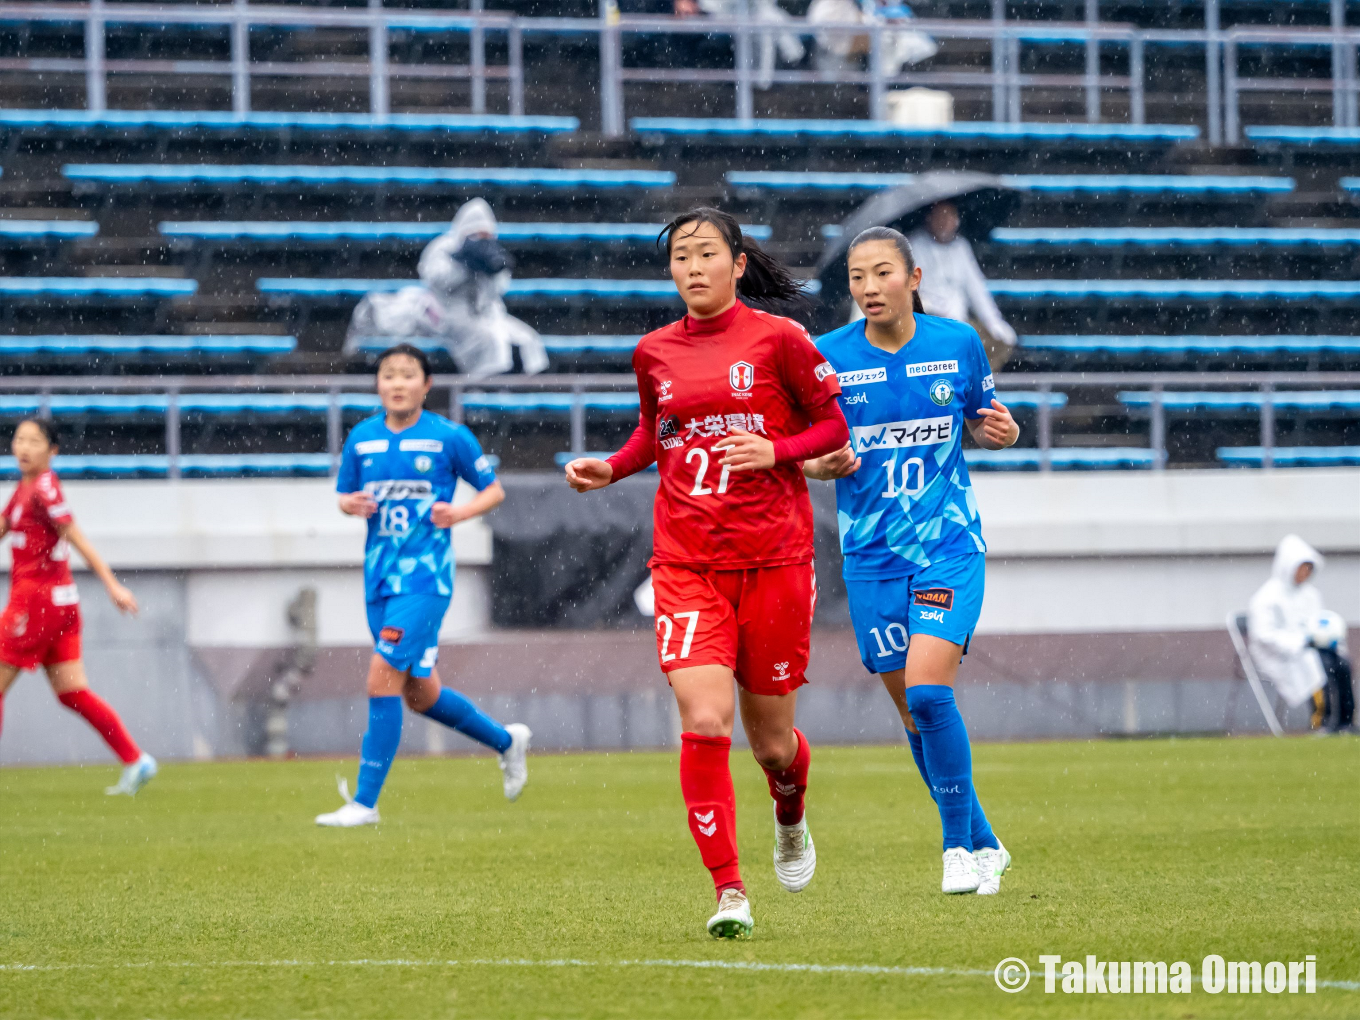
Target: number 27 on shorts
[[665, 629]]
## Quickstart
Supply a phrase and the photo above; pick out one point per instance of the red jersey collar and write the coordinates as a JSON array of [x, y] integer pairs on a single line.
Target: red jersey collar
[[708, 327]]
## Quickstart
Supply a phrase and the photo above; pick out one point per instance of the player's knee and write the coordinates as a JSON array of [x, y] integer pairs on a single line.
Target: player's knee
[[774, 751], [708, 723]]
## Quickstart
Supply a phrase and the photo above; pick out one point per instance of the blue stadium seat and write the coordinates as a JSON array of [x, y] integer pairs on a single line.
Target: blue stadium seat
[[78, 346], [63, 405], [1091, 184], [1349, 183], [23, 230], [1193, 344], [1200, 290], [291, 231], [191, 465], [796, 128], [1061, 458], [590, 344], [263, 175], [1209, 400], [566, 457], [77, 288], [1291, 456], [175, 120], [1174, 236], [1304, 135], [557, 403], [654, 290], [1032, 398]]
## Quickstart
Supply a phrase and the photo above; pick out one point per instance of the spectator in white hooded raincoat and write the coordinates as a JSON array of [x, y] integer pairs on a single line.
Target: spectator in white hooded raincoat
[[1296, 643], [464, 274]]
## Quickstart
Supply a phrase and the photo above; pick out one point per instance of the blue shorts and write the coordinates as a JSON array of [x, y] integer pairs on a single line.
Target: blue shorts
[[406, 630], [944, 600]]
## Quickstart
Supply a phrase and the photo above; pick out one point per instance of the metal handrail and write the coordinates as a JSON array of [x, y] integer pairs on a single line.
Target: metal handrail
[[457, 386], [1004, 75]]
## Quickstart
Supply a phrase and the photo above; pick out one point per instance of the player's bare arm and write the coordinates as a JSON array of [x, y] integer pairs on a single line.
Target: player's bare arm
[[745, 451], [446, 515], [357, 504], [119, 595], [840, 463], [587, 473], [996, 429]]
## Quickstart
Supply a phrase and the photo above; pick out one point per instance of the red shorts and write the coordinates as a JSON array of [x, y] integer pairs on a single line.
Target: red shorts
[[40, 626], [756, 622]]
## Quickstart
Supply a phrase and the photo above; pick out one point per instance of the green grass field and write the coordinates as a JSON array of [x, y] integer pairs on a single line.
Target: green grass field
[[213, 894]]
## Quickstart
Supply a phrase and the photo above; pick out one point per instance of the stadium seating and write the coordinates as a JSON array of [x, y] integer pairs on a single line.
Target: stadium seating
[[804, 128], [94, 288], [153, 465], [1201, 401], [1061, 459], [18, 231], [563, 289], [222, 175], [1304, 135], [1195, 290], [129, 349], [1176, 236], [120, 121], [63, 405], [288, 232], [1117, 185], [1291, 456], [1192, 345]]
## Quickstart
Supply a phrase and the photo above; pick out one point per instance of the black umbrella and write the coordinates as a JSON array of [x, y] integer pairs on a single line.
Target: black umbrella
[[983, 201]]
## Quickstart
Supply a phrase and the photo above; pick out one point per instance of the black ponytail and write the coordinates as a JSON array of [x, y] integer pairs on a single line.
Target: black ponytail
[[766, 284], [895, 237]]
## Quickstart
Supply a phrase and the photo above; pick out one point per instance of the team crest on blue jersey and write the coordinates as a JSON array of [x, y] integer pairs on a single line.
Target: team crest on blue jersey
[[942, 391], [742, 375], [423, 464]]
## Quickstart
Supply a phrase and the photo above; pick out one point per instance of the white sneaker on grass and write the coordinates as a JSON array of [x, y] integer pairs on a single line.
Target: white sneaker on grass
[[514, 762], [350, 814], [733, 919], [960, 871], [992, 864], [134, 777], [795, 857]]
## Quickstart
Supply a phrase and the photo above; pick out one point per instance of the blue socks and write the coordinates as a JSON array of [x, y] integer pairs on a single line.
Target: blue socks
[[946, 763], [457, 712], [982, 829], [378, 749]]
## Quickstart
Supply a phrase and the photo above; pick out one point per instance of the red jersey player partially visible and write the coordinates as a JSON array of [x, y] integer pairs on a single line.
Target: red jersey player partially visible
[[41, 624], [733, 400]]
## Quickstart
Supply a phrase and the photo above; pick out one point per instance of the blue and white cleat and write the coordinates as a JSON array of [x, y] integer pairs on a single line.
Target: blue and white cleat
[[134, 777], [513, 761], [992, 864]]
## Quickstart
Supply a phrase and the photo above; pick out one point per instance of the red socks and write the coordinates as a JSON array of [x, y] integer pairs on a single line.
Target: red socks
[[96, 711], [788, 786], [711, 805]]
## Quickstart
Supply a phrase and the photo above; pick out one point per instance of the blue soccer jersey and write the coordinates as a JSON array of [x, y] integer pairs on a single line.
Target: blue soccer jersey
[[406, 473], [911, 502]]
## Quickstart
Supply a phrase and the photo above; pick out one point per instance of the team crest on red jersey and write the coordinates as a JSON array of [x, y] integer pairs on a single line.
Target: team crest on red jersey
[[742, 375]]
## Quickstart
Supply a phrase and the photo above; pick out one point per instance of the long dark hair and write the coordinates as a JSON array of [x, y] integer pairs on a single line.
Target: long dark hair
[[767, 283], [44, 425], [895, 237]]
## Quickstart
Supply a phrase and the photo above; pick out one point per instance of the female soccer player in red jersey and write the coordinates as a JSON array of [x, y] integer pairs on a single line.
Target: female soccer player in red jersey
[[41, 624], [733, 400]]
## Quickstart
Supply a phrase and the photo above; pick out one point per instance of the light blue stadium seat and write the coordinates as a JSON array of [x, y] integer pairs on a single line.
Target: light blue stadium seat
[[566, 457], [91, 287], [557, 403], [591, 344], [1304, 135], [1062, 459], [1349, 183], [1193, 344], [1175, 236], [143, 465], [157, 465], [807, 127], [531, 287], [23, 230], [1209, 400], [1032, 398], [62, 405], [1291, 456], [24, 347], [290, 231], [261, 175], [432, 123], [1058, 184], [1200, 290]]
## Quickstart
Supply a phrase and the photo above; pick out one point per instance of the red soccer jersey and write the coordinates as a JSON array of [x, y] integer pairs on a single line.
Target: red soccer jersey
[[33, 513], [699, 379]]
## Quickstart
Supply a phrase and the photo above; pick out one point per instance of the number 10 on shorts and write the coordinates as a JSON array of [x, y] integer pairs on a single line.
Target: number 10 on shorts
[[665, 629]]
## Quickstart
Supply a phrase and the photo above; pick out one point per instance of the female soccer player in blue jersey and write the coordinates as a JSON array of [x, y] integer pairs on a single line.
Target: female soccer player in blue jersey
[[909, 524], [399, 471]]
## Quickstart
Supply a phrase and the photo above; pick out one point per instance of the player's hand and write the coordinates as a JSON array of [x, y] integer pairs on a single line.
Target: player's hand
[[998, 427], [587, 473], [358, 504], [745, 451], [123, 599], [840, 464], [444, 515]]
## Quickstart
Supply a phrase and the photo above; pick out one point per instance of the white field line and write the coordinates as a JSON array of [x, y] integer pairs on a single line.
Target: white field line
[[785, 968]]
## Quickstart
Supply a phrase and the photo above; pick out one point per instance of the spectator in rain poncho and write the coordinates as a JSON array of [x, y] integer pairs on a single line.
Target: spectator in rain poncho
[[952, 284], [463, 273], [1298, 645], [842, 51]]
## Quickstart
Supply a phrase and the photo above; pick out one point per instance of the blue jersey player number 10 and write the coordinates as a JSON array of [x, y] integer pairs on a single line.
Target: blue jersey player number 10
[[910, 529]]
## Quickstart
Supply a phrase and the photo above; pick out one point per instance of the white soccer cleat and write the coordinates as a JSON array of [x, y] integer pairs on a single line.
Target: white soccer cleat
[[514, 762], [134, 777], [992, 864], [350, 814], [960, 871], [733, 919], [795, 858]]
